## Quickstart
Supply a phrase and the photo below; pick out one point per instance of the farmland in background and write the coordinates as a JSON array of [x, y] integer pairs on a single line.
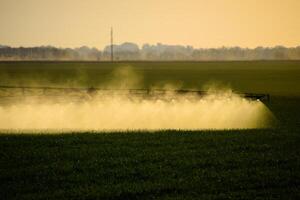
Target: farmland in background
[[241, 164], [274, 77]]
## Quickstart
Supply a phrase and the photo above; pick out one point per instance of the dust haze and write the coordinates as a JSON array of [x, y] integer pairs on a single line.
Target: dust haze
[[122, 111]]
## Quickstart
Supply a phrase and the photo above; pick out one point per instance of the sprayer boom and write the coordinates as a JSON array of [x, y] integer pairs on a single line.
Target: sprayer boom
[[19, 91]]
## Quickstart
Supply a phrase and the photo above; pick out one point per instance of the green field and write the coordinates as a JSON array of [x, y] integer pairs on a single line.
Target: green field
[[236, 164], [273, 77]]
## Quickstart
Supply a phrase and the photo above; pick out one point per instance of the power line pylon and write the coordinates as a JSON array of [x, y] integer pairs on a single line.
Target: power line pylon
[[111, 44]]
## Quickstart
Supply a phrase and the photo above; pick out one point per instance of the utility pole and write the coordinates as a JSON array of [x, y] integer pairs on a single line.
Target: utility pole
[[111, 44], [31, 53]]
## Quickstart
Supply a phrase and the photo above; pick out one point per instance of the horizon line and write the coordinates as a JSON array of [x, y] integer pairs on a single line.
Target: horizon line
[[151, 44]]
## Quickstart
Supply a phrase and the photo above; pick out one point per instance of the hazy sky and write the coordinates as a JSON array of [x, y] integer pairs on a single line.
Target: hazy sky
[[201, 23]]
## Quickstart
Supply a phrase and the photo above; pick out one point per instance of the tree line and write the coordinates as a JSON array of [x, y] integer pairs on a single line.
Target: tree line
[[158, 52]]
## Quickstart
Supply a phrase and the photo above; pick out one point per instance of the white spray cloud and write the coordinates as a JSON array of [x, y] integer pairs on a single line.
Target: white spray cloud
[[109, 112]]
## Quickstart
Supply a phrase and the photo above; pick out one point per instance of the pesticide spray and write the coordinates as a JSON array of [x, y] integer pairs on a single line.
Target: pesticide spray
[[219, 109]]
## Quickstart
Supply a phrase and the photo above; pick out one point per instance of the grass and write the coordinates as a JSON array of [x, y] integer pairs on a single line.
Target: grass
[[174, 165], [273, 77], [237, 164], [229, 164]]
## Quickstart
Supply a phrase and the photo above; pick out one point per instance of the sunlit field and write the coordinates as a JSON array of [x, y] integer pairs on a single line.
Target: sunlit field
[[249, 163]]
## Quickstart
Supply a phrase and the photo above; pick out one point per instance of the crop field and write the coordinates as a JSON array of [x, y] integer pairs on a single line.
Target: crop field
[[162, 164], [273, 77]]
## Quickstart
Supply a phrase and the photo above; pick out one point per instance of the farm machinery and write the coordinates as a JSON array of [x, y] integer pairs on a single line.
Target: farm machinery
[[9, 92]]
